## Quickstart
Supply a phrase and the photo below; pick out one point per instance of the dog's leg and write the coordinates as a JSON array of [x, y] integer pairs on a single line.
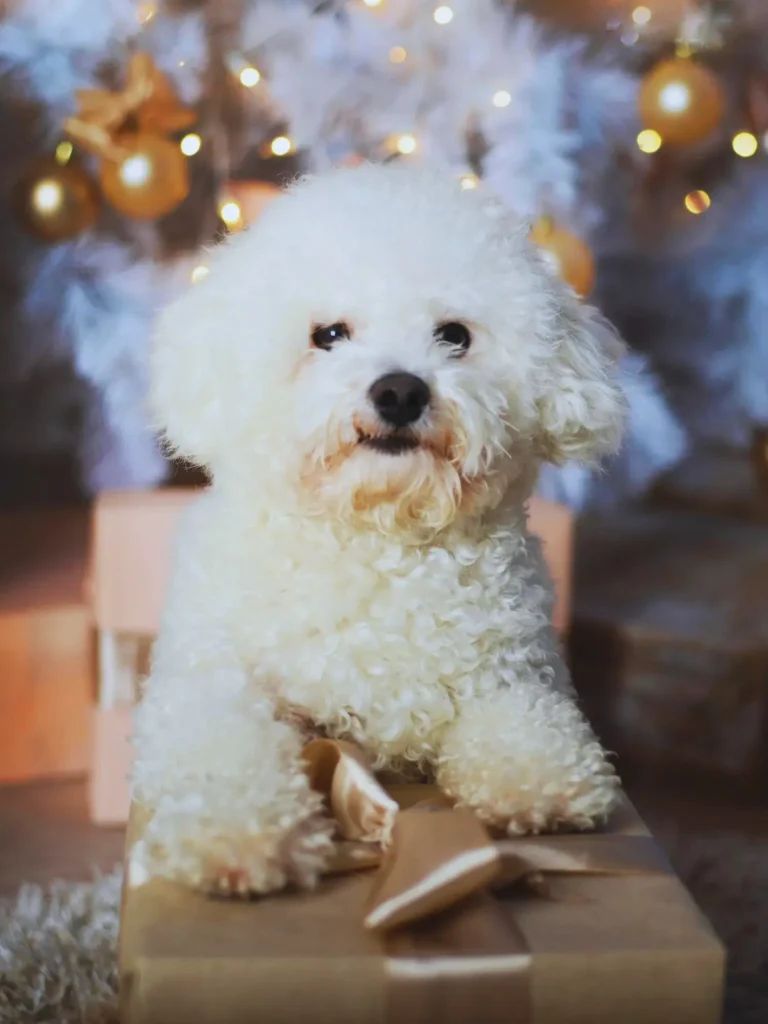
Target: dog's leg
[[231, 806], [526, 759]]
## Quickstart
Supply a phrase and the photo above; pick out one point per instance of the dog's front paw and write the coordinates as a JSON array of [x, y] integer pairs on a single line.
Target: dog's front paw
[[566, 805], [514, 800], [528, 762], [233, 859], [266, 863]]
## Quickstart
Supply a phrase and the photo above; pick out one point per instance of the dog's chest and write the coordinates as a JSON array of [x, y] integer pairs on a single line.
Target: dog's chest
[[371, 628]]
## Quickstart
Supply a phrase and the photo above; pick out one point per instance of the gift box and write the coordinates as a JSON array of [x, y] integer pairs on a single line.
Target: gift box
[[553, 524], [719, 480], [46, 649], [131, 543], [669, 646], [131, 560], [595, 930]]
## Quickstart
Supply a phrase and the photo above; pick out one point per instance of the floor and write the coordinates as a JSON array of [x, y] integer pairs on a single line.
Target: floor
[[45, 834]]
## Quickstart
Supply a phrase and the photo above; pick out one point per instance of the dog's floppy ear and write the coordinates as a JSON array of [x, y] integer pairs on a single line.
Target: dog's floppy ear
[[195, 386], [217, 369], [581, 407]]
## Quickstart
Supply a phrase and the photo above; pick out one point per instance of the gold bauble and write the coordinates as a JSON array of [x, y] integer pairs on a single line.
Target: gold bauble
[[56, 201], [682, 101], [148, 179], [571, 256]]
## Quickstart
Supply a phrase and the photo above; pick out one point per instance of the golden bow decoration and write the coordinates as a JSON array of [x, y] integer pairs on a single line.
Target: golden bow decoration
[[146, 103], [431, 855]]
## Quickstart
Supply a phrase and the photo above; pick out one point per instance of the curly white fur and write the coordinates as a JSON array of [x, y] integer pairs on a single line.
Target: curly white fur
[[396, 599]]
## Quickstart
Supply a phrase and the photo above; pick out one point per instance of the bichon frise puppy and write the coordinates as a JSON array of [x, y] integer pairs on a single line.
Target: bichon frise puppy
[[373, 375]]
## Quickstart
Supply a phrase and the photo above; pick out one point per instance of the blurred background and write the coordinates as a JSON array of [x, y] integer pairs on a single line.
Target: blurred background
[[137, 134]]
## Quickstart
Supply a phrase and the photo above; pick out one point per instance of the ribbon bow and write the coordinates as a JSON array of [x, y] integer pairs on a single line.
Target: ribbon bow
[[431, 855], [146, 103]]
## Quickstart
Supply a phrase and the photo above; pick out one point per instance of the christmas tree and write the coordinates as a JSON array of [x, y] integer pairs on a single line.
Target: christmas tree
[[137, 134]]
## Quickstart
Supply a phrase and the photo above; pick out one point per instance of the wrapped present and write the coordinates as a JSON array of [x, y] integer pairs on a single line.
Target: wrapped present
[[131, 560], [553, 524], [669, 647], [721, 481], [46, 645], [451, 926]]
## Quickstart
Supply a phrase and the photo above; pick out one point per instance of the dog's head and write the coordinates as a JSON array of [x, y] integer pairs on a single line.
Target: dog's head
[[388, 349]]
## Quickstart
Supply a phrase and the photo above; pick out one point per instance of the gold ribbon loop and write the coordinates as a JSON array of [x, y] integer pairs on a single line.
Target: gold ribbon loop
[[363, 809]]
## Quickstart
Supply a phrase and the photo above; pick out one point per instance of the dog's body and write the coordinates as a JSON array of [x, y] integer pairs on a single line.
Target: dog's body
[[361, 565]]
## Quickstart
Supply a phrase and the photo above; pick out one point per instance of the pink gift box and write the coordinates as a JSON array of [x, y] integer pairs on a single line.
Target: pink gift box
[[46, 645]]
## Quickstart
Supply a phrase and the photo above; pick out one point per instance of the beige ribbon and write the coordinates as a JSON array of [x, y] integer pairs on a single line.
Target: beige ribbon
[[431, 855]]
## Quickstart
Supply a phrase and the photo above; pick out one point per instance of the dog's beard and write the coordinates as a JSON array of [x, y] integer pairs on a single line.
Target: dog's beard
[[404, 483]]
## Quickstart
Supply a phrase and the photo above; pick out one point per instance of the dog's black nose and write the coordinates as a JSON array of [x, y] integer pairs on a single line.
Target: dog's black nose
[[399, 398]]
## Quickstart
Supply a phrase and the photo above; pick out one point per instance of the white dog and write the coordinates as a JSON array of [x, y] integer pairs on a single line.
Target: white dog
[[373, 375]]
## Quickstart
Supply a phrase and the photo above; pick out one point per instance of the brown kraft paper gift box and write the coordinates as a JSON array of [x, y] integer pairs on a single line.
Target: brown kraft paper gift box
[[669, 645], [618, 949]]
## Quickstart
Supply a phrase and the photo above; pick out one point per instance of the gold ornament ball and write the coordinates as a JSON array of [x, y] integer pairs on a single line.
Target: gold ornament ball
[[682, 101], [149, 180], [56, 201], [571, 256]]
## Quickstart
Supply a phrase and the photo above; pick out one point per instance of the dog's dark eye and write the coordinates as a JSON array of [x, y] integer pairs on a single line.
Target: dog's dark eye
[[326, 337], [455, 336]]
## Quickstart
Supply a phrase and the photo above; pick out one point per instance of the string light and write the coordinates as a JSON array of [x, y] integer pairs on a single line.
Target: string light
[[371, 3], [135, 171], [697, 202], [47, 196], [198, 273], [398, 54], [230, 213], [281, 145], [649, 141], [405, 144], [63, 152], [642, 15], [146, 11], [443, 15], [469, 181], [249, 77], [502, 98], [242, 69], [744, 144], [190, 144], [675, 97]]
